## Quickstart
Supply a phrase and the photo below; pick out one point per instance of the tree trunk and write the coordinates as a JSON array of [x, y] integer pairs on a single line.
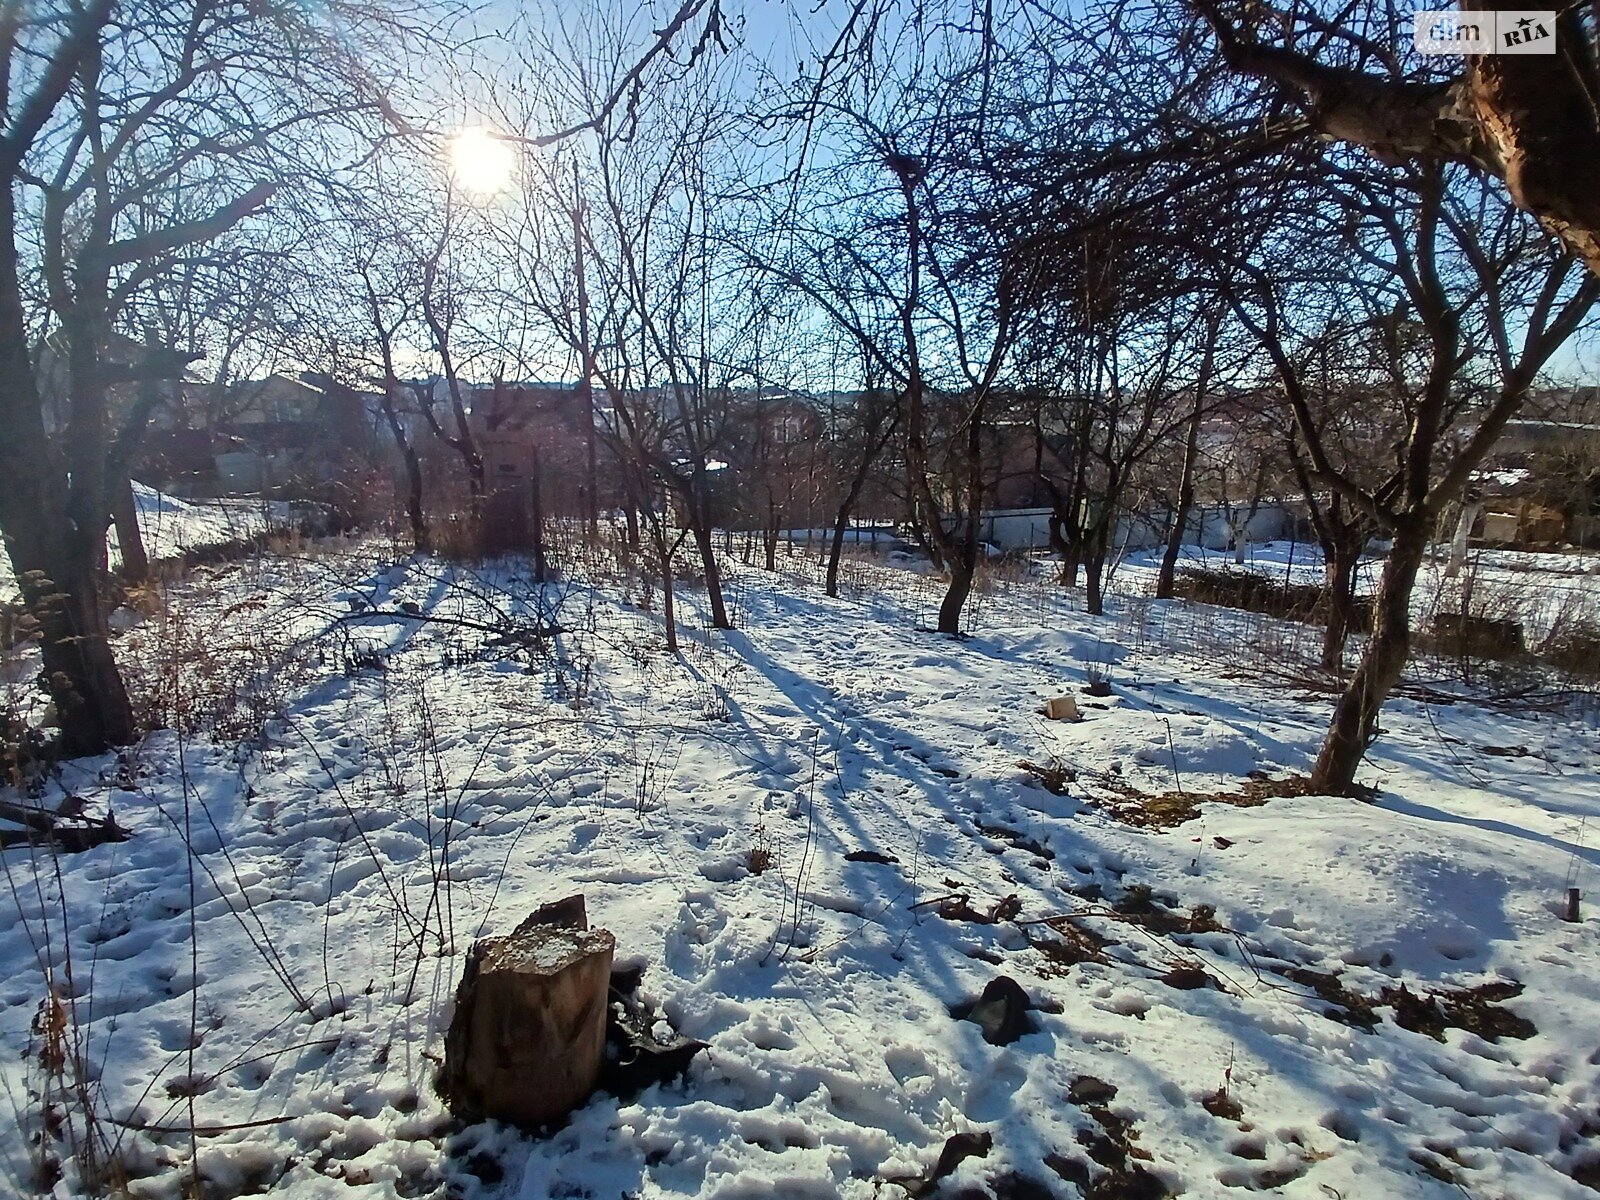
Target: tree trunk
[[841, 520], [841, 525], [419, 521], [1339, 563], [963, 566], [1180, 515], [770, 533], [669, 612], [1070, 549], [1191, 455], [1525, 119], [56, 566], [130, 538], [1355, 717], [1093, 582], [655, 524], [700, 527]]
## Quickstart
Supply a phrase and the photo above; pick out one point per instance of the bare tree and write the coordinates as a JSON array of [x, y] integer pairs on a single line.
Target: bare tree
[[1524, 120], [1492, 302], [115, 177]]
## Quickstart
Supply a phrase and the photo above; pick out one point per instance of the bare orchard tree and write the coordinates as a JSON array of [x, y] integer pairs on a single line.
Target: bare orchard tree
[[443, 296], [1199, 404], [1525, 121], [128, 144], [898, 249], [1490, 299], [387, 313], [1125, 379], [869, 426]]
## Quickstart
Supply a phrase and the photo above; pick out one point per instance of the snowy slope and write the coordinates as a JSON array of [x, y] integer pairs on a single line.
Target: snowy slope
[[171, 526], [426, 784]]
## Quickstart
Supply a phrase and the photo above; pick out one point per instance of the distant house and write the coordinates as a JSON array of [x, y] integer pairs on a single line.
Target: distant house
[[1541, 487]]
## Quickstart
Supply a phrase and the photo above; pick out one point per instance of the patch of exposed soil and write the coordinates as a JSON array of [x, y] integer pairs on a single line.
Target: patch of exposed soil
[[1113, 1167], [1168, 809]]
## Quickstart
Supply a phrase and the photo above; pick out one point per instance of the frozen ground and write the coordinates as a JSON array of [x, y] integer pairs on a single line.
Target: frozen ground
[[1538, 589], [171, 526], [282, 990]]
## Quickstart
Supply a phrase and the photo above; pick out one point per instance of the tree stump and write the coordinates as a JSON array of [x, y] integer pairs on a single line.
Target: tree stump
[[1062, 708], [526, 1041]]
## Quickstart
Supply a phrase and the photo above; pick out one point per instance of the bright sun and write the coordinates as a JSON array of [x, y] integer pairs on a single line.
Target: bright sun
[[481, 163]]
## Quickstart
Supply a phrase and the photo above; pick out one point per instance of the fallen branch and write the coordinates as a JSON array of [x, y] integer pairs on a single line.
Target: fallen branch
[[45, 827]]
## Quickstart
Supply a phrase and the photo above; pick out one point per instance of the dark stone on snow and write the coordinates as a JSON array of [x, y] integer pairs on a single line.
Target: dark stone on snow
[[1001, 1012], [870, 856], [634, 1059], [1086, 1089]]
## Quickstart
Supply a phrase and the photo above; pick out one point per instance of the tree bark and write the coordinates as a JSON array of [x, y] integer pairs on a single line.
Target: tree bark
[[1355, 717], [1180, 515], [56, 565], [700, 527], [130, 538], [413, 467], [1338, 583], [1191, 455], [1527, 120], [1094, 569]]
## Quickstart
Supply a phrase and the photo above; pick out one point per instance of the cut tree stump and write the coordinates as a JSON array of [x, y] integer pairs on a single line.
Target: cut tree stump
[[1062, 708], [528, 1034]]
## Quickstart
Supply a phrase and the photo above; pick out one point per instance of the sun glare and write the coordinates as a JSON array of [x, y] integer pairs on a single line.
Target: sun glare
[[481, 163]]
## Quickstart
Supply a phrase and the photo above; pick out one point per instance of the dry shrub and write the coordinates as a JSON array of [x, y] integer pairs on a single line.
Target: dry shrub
[[221, 671], [1469, 635], [1573, 644], [456, 538], [1233, 587]]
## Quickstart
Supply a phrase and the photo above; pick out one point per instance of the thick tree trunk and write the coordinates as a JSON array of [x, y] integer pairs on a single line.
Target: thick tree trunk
[[1094, 568], [700, 528], [841, 524], [1355, 717], [418, 519], [1525, 119], [1070, 549], [56, 565], [963, 567], [713, 572]]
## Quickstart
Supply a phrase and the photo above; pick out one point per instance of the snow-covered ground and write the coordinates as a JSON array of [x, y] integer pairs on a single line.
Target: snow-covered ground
[[283, 989], [171, 526], [1536, 588]]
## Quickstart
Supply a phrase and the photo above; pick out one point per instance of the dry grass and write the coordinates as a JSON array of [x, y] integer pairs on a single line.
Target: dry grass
[[1167, 809]]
